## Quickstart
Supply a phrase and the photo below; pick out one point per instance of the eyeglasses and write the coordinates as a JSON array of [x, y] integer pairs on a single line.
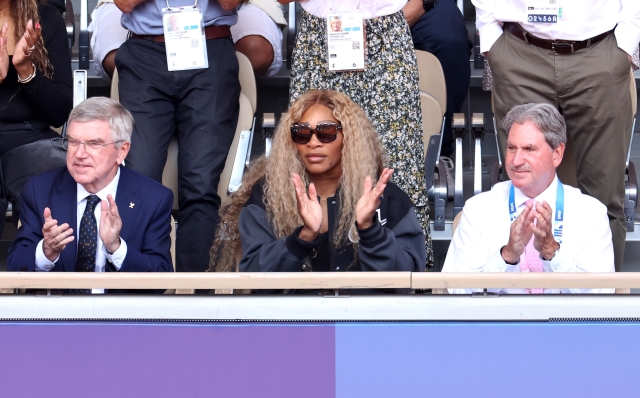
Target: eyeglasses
[[325, 132], [70, 143]]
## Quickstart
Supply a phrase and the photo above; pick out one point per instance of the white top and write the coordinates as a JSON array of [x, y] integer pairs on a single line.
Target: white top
[[107, 33], [117, 258], [580, 20], [485, 224], [273, 9], [368, 8]]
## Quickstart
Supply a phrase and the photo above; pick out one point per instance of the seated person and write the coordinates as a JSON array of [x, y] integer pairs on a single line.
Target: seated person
[[257, 34], [93, 215], [314, 203], [533, 223]]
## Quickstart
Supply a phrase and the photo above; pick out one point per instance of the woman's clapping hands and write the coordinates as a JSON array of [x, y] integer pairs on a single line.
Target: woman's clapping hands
[[310, 209]]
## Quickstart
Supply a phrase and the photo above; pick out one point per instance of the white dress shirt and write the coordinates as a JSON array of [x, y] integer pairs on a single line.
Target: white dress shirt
[[102, 256], [485, 226], [368, 8], [580, 20]]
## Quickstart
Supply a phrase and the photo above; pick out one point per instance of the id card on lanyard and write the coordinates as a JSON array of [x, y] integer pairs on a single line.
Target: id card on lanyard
[[543, 11], [184, 38], [558, 218], [345, 41]]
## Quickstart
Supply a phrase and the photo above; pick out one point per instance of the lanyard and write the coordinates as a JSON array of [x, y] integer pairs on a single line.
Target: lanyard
[[559, 214]]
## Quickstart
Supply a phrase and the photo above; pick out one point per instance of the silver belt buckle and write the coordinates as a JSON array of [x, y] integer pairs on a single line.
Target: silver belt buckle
[[561, 44]]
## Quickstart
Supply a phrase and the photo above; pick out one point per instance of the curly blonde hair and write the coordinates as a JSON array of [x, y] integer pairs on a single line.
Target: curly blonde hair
[[362, 155], [22, 11]]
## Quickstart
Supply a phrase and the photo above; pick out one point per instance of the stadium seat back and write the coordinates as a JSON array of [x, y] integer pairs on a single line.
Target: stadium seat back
[[431, 118], [432, 78], [247, 80]]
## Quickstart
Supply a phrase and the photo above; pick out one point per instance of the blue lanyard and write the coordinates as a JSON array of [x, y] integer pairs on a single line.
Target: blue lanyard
[[559, 215]]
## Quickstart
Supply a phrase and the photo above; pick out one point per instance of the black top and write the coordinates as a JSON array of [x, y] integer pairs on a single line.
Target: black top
[[394, 242], [41, 100]]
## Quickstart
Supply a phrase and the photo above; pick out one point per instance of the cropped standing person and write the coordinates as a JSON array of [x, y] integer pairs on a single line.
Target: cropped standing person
[[576, 56], [195, 96], [35, 92], [383, 80], [439, 28]]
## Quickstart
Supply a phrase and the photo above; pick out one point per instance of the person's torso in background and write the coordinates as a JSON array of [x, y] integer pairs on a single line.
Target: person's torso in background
[[369, 8], [579, 19], [146, 17]]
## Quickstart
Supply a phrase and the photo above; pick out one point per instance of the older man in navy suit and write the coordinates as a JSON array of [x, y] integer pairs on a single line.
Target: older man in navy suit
[[93, 215]]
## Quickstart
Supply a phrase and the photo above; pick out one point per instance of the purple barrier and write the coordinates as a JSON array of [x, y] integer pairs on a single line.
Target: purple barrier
[[492, 359], [166, 360], [345, 360]]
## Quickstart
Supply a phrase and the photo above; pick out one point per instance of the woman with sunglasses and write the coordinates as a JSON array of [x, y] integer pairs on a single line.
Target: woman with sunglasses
[[314, 204], [386, 89], [35, 91]]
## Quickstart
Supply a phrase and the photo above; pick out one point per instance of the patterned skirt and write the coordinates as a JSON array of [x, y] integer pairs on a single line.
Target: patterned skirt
[[387, 91]]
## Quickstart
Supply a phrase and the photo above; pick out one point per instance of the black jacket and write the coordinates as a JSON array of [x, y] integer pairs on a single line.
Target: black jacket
[[395, 242]]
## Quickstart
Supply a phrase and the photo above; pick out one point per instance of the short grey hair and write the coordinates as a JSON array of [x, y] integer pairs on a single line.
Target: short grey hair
[[107, 110], [544, 116]]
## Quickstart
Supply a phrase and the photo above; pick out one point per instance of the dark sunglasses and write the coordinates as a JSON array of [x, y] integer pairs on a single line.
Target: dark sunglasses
[[325, 132]]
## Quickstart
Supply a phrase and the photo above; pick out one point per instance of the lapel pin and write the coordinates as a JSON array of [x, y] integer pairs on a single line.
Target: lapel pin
[[131, 204]]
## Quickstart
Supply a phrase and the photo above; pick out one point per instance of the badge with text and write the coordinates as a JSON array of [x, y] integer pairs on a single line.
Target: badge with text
[[543, 11], [345, 42], [184, 38]]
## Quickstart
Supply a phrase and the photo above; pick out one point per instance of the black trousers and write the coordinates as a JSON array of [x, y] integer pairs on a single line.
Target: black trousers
[[442, 31], [199, 106], [26, 150]]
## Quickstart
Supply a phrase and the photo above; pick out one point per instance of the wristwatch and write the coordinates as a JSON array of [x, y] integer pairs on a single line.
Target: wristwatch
[[428, 4], [555, 252]]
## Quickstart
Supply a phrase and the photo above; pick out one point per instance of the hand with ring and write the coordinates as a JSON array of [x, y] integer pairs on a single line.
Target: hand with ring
[[23, 49]]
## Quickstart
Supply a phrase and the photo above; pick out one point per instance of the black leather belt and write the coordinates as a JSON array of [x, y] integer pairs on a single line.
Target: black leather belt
[[210, 32], [562, 47]]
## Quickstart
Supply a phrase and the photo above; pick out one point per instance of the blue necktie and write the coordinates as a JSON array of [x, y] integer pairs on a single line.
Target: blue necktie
[[88, 237]]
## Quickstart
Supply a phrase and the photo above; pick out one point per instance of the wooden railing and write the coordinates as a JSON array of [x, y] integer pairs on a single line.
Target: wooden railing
[[316, 280]]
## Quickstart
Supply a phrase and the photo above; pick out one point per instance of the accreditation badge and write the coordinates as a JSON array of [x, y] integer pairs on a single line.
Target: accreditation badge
[[543, 11], [345, 42], [184, 38]]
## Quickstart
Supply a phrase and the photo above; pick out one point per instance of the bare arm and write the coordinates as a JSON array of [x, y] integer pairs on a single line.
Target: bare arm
[[127, 6], [228, 4], [109, 63], [413, 10]]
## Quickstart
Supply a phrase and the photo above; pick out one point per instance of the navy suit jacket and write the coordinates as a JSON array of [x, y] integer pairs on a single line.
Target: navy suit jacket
[[144, 206]]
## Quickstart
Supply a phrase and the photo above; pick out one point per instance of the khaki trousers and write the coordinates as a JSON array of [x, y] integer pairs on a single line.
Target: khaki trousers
[[591, 89]]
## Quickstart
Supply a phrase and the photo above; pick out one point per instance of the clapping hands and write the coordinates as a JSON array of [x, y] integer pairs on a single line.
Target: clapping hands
[[110, 224], [21, 52], [56, 237], [310, 209], [370, 199], [534, 220]]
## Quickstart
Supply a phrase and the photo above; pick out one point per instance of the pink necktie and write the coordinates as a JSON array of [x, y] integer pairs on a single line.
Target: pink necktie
[[530, 260]]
